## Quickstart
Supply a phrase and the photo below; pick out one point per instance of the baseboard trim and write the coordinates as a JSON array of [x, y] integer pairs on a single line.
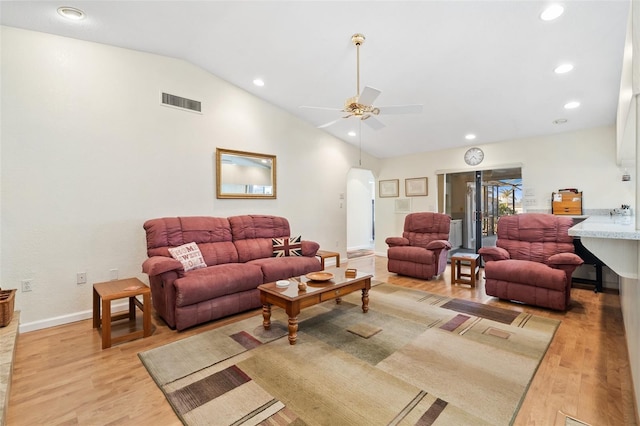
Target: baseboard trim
[[67, 319]]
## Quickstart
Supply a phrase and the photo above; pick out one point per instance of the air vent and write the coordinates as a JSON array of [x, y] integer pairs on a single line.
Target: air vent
[[180, 102]]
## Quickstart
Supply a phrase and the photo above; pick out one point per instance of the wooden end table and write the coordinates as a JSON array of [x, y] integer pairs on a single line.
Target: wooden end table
[[470, 260], [293, 300], [325, 254], [120, 289]]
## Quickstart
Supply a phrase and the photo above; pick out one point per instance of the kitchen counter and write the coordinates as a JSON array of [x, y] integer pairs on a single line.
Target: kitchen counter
[[613, 239], [616, 227]]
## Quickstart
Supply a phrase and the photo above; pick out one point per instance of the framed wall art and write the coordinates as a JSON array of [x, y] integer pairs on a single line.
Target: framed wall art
[[389, 188], [416, 187], [241, 174]]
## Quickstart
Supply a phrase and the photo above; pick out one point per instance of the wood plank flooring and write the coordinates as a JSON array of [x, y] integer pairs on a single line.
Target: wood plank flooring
[[62, 377]]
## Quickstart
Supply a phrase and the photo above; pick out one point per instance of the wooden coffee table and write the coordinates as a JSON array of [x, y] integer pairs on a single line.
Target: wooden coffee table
[[293, 300]]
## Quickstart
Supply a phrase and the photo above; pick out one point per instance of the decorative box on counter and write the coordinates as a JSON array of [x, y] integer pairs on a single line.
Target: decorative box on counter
[[567, 202]]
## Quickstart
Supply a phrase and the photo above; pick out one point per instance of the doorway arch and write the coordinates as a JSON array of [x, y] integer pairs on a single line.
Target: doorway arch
[[360, 209]]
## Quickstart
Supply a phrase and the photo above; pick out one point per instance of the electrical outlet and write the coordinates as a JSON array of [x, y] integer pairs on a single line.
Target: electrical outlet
[[113, 274], [81, 278], [27, 285]]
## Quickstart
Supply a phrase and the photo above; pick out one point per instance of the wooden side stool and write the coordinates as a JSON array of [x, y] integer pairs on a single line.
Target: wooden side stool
[[324, 254], [120, 289], [470, 260]]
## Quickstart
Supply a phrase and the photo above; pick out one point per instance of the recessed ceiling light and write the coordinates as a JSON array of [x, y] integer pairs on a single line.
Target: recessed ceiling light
[[258, 82], [552, 12], [563, 68], [470, 136], [351, 133], [572, 105], [71, 13], [560, 121]]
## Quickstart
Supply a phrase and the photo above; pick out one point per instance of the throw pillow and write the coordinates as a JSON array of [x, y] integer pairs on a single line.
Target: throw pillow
[[189, 255], [291, 246]]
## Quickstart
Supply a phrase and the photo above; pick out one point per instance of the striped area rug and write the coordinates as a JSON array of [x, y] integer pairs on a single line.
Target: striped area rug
[[414, 358]]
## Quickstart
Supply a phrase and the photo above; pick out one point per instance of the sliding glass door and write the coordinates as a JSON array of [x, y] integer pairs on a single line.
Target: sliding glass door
[[475, 200]]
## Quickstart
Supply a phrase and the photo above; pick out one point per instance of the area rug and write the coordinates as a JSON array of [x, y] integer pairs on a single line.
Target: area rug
[[414, 358]]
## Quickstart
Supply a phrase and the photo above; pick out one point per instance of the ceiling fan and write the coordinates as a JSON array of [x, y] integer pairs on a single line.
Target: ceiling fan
[[361, 106]]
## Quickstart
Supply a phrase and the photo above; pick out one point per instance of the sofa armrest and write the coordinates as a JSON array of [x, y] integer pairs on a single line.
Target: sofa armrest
[[157, 265], [493, 253], [397, 241], [569, 259], [310, 248], [439, 245]]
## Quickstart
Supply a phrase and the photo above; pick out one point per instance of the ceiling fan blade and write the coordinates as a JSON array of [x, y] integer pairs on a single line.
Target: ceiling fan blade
[[373, 122], [368, 96], [323, 108], [400, 109], [331, 123]]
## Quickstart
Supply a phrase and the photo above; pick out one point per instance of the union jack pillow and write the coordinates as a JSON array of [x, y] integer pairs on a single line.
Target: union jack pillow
[[291, 246]]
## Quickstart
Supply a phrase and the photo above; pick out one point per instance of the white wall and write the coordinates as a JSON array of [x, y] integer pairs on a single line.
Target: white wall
[[629, 133], [89, 154], [585, 160]]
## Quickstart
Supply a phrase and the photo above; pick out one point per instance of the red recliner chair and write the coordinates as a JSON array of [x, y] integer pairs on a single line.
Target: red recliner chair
[[421, 252], [533, 260]]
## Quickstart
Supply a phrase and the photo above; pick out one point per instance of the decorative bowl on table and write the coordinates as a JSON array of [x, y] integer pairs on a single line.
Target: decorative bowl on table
[[319, 276], [282, 283]]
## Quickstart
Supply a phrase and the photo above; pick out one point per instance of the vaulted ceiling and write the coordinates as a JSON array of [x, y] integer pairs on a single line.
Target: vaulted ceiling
[[477, 67]]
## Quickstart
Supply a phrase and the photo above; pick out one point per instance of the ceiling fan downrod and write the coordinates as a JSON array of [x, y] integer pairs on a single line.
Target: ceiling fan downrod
[[357, 40]]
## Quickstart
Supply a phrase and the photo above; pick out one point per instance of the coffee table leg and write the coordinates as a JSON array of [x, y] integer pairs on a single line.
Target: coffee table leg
[[365, 300], [266, 316], [293, 330]]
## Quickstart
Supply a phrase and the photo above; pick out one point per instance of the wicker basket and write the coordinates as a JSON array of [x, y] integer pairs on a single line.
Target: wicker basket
[[7, 298]]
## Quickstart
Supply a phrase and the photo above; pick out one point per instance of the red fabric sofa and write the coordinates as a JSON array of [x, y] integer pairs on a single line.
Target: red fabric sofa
[[533, 260], [238, 255], [421, 252]]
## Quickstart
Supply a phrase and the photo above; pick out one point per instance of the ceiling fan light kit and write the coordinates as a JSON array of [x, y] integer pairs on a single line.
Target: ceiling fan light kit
[[361, 105]]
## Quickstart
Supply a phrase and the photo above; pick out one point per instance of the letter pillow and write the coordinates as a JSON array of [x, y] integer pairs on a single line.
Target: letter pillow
[[291, 246], [189, 255]]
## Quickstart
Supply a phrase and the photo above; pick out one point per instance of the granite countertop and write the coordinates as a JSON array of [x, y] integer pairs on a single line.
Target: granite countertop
[[607, 226]]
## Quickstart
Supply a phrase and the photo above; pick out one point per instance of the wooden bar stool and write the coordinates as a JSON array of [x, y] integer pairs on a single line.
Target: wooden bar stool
[[470, 260]]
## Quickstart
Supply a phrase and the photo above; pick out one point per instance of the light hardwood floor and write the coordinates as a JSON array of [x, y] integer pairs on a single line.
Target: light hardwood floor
[[62, 377]]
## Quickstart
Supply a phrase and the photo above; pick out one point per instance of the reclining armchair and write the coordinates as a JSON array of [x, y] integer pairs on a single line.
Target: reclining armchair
[[533, 260], [421, 252]]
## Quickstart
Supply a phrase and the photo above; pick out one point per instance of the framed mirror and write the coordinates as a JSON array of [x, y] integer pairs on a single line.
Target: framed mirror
[[241, 174]]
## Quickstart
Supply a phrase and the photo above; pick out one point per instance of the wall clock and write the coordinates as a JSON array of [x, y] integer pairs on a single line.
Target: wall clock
[[473, 156]]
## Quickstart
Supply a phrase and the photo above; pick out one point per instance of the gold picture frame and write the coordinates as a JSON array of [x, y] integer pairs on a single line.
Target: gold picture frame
[[242, 174], [389, 188], [416, 187]]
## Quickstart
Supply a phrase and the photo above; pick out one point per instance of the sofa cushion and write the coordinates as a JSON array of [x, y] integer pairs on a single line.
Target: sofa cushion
[[411, 254], [291, 246], [212, 234], [534, 236], [280, 268], [189, 255], [525, 272], [253, 234], [215, 281]]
